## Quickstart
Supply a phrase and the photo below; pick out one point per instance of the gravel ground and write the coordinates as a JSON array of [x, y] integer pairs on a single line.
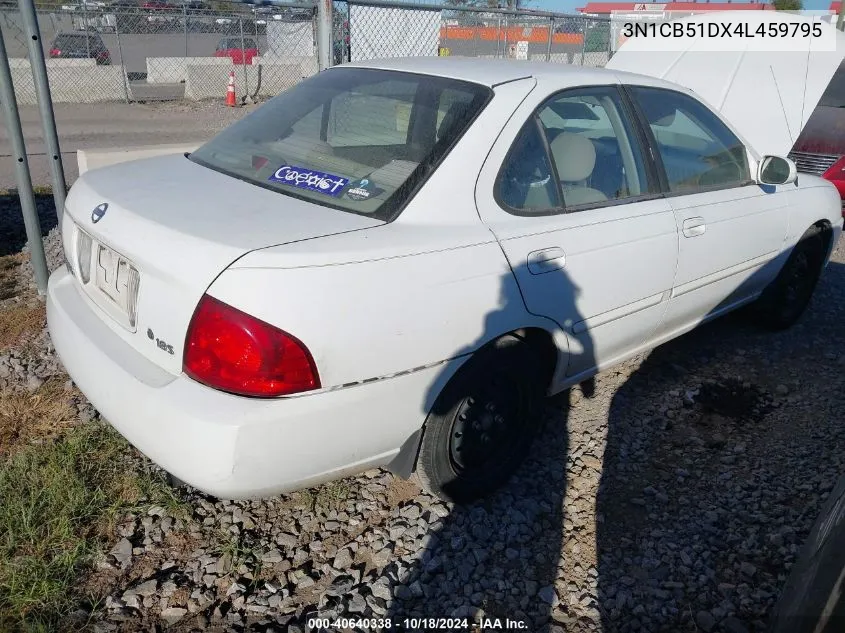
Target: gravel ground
[[673, 499]]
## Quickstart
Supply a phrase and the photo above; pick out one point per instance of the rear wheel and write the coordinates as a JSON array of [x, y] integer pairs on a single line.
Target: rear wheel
[[483, 423], [787, 297]]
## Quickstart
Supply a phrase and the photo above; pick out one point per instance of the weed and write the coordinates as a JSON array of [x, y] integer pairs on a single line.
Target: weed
[[34, 417], [60, 500], [20, 323]]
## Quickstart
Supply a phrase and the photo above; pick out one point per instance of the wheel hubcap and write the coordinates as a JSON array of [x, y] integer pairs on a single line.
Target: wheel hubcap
[[485, 425]]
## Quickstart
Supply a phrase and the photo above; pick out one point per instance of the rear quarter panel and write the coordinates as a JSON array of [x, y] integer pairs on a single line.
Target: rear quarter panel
[[375, 318]]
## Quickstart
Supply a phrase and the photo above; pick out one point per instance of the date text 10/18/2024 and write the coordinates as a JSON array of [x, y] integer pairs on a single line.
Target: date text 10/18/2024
[[387, 624]]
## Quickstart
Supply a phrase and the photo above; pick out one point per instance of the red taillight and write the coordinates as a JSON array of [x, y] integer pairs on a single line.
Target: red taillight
[[232, 351], [55, 52]]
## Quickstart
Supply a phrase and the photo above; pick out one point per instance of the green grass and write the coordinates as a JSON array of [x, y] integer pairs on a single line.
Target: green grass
[[329, 496], [37, 190], [59, 502]]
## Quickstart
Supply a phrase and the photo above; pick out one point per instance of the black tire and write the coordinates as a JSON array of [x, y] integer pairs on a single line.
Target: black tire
[[787, 297], [483, 422], [812, 601], [175, 482]]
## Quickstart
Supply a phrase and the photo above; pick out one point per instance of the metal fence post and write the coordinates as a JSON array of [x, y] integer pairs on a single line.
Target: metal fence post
[[551, 35], [476, 36], [347, 34], [243, 57], [122, 61], [45, 102], [325, 56], [498, 35], [585, 31], [85, 28], [185, 25], [22, 176]]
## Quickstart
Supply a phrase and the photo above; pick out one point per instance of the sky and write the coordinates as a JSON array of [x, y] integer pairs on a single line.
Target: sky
[[567, 6]]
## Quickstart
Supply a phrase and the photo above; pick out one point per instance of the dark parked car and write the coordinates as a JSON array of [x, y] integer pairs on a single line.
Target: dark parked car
[[80, 46], [820, 148], [125, 6]]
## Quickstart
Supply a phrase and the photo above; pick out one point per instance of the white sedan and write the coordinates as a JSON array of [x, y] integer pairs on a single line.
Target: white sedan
[[391, 264]]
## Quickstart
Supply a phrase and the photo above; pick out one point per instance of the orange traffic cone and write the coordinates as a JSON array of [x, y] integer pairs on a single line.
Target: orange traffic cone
[[231, 101]]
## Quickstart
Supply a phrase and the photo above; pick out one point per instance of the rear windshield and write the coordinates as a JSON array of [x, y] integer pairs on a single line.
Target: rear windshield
[[73, 41], [355, 139]]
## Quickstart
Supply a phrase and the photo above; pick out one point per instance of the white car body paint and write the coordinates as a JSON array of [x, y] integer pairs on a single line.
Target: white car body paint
[[389, 311]]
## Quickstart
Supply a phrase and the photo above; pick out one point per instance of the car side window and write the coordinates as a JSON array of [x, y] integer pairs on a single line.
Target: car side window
[[593, 146], [698, 151], [526, 182]]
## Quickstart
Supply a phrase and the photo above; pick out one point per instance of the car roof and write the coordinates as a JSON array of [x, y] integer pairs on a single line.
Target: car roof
[[493, 72], [77, 34]]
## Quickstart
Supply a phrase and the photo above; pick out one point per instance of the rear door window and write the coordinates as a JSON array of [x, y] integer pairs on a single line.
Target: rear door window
[[596, 154]]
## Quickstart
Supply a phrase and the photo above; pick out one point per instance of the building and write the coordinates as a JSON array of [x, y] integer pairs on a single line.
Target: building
[[606, 8]]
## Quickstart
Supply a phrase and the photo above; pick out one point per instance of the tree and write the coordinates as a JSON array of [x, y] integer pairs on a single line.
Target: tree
[[787, 5]]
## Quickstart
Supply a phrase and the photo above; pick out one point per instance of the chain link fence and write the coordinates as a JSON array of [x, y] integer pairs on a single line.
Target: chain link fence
[[378, 28], [148, 51], [137, 50]]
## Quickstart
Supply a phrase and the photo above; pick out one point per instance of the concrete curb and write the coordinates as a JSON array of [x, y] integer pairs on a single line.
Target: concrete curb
[[95, 158]]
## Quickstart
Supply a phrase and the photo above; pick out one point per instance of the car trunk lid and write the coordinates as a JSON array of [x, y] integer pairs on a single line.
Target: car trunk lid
[[767, 96], [178, 225]]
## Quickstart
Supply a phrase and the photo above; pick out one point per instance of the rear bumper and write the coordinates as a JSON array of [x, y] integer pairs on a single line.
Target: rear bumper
[[229, 446]]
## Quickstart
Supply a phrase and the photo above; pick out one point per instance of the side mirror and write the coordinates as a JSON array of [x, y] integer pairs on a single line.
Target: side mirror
[[776, 170]]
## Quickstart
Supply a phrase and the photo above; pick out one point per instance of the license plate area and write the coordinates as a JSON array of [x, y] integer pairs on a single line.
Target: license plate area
[[115, 282]]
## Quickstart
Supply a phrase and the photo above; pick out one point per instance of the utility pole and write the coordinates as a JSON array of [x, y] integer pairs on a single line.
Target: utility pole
[[325, 34]]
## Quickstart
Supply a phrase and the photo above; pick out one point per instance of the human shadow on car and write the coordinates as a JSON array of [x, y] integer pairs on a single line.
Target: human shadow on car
[[496, 557], [691, 532]]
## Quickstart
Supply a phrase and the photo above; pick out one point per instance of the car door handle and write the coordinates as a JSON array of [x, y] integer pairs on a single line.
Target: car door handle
[[546, 260], [693, 227]]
